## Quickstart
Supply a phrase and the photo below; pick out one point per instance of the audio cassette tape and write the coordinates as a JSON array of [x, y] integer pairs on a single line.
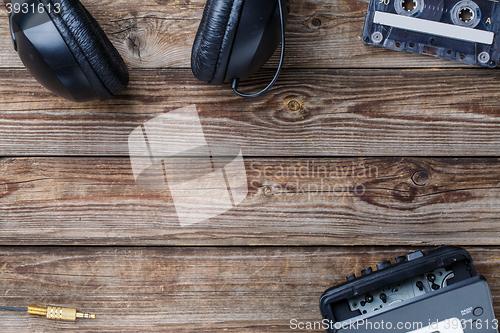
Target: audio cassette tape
[[462, 30], [431, 291]]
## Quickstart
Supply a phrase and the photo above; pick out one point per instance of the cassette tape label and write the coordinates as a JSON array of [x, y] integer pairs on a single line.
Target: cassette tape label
[[467, 31], [434, 28]]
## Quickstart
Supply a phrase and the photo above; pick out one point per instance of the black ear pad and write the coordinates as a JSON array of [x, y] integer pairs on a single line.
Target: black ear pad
[[98, 58], [214, 40]]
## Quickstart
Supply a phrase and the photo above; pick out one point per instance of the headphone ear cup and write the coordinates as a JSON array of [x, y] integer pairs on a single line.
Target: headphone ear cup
[[97, 57], [214, 40]]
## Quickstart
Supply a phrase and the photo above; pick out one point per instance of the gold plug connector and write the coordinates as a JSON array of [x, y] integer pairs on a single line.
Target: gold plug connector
[[59, 313]]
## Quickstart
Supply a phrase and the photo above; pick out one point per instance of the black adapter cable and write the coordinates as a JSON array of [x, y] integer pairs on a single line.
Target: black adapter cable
[[52, 312], [12, 309]]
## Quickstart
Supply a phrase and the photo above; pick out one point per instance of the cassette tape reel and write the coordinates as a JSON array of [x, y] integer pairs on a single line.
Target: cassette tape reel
[[467, 31]]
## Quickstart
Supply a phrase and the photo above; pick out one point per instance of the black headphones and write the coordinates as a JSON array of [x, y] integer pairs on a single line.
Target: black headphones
[[236, 38], [65, 49]]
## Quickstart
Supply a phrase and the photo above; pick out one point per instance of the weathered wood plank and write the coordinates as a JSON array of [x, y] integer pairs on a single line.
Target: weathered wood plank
[[159, 34], [350, 201], [187, 289], [309, 113]]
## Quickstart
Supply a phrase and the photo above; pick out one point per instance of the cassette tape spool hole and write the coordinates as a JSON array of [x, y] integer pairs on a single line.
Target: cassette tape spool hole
[[409, 7], [466, 13]]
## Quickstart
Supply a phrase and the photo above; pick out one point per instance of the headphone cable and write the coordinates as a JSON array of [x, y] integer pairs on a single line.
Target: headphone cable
[[8, 308], [282, 57]]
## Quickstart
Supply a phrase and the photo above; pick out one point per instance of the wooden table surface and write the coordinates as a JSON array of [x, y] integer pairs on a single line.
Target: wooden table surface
[[420, 136]]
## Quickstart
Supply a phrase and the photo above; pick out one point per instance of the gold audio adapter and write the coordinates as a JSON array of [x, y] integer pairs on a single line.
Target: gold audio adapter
[[59, 313], [53, 312]]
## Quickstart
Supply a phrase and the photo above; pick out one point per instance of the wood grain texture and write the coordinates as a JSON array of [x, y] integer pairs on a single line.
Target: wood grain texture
[[187, 289], [445, 112], [159, 34], [320, 201], [336, 97]]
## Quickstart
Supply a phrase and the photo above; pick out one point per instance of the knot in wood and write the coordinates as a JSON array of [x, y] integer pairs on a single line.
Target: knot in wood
[[420, 178], [268, 191], [294, 106], [316, 22]]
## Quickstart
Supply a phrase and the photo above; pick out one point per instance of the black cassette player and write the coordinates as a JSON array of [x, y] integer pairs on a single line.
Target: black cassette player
[[431, 291]]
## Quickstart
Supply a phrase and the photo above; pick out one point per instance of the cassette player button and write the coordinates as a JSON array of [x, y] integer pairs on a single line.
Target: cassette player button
[[351, 277], [415, 255], [478, 311], [383, 265], [367, 271], [400, 259]]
